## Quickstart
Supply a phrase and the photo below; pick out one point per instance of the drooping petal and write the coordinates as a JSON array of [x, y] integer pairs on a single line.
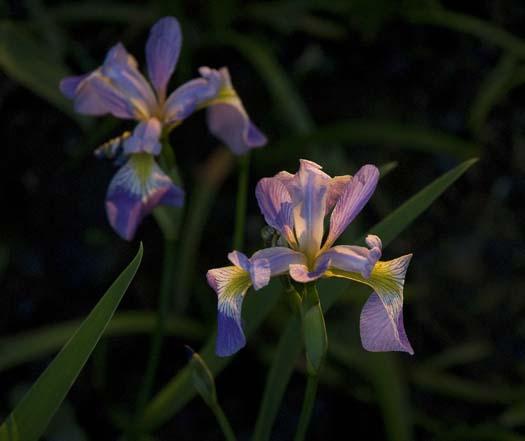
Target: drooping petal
[[381, 325], [355, 196], [379, 332], [308, 190], [231, 284], [188, 98], [120, 68], [145, 138], [355, 259], [276, 206], [135, 190], [229, 121], [162, 52]]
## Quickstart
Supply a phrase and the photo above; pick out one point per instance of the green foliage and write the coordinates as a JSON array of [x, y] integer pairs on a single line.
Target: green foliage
[[31, 416], [35, 344], [24, 58]]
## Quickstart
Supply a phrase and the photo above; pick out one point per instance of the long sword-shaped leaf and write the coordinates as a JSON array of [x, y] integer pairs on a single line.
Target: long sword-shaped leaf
[[388, 134], [179, 390], [467, 24], [286, 354], [31, 64], [35, 344], [31, 416]]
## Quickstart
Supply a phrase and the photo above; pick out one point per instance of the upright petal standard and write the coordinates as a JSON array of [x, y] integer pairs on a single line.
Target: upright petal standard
[[295, 205]]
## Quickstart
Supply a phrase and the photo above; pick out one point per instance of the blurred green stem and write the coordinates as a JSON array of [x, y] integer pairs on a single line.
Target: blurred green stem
[[308, 405], [240, 207], [169, 225], [156, 339], [223, 422]]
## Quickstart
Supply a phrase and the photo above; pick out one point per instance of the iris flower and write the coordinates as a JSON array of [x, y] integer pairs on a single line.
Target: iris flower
[[118, 88], [296, 205]]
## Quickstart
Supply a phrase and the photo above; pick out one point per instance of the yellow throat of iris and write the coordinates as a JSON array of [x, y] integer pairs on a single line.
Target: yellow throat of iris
[[142, 164]]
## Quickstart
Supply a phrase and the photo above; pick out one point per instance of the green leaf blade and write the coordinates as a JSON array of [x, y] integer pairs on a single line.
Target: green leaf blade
[[33, 65], [392, 225], [32, 415]]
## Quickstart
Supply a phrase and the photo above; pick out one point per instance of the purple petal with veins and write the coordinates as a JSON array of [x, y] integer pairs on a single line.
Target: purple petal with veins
[[162, 52], [355, 196], [379, 331], [187, 98], [145, 138], [135, 190]]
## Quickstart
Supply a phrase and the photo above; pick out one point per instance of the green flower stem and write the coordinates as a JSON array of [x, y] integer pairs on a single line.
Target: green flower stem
[[166, 291], [240, 206], [308, 405], [223, 422]]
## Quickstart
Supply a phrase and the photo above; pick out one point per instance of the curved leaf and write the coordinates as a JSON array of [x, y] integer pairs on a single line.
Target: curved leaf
[[32, 415]]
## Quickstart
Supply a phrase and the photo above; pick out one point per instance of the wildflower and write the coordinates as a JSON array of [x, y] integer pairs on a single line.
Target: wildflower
[[118, 88], [295, 205]]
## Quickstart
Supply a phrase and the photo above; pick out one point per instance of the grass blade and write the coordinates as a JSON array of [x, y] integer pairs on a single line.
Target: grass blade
[[32, 415], [35, 344], [30, 63]]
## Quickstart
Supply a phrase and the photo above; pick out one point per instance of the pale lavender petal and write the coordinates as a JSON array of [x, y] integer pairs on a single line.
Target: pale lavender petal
[[162, 52], [279, 259], [335, 189], [119, 55], [135, 190], [240, 260], [379, 331], [232, 126], [145, 138], [353, 259], [121, 70], [187, 98], [374, 241], [260, 273], [301, 273], [308, 190], [276, 206], [229, 121], [96, 97], [230, 284], [357, 193], [68, 86]]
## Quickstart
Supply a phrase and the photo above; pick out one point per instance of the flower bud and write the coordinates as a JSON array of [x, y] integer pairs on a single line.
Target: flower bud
[[315, 338], [202, 379]]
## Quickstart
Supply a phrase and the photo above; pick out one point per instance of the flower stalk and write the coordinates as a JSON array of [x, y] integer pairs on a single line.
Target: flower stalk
[[166, 290], [307, 408], [242, 196], [314, 329], [205, 385]]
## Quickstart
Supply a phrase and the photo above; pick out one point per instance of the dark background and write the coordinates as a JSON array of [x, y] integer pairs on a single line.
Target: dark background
[[355, 74]]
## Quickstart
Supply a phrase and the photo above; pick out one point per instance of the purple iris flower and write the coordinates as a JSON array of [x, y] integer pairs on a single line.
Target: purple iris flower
[[296, 205], [118, 88]]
